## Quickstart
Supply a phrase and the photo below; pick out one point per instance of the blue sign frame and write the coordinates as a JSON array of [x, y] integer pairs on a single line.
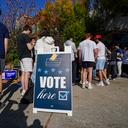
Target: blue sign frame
[[53, 85]]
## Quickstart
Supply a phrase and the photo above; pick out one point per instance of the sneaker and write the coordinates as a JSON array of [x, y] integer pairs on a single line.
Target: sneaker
[[90, 86], [86, 82], [107, 82], [100, 84], [81, 82], [22, 93], [83, 85]]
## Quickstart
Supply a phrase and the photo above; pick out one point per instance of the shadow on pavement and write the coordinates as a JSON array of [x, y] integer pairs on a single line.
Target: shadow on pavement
[[9, 88], [10, 118], [36, 124]]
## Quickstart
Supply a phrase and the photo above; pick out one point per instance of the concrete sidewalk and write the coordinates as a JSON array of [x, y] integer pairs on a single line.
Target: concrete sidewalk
[[101, 107]]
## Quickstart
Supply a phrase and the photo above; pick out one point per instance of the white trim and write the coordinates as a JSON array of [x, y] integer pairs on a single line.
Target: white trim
[[69, 113]]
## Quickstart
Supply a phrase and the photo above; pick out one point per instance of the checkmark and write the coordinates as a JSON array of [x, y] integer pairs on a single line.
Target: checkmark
[[63, 95]]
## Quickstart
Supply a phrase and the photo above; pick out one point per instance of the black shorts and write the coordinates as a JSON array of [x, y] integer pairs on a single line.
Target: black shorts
[[87, 64]]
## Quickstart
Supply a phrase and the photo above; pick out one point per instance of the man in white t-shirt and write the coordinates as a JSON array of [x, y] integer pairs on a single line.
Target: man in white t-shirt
[[101, 59], [88, 53]]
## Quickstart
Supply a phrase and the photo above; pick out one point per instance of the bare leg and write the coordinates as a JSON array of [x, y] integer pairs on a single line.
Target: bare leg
[[90, 77], [27, 76], [90, 74], [100, 75], [104, 74], [22, 80], [84, 74]]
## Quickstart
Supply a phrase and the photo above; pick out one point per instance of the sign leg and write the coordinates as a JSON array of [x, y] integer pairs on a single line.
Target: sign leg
[[34, 110]]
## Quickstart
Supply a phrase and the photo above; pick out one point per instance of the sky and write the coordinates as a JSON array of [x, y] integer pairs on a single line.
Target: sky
[[39, 5]]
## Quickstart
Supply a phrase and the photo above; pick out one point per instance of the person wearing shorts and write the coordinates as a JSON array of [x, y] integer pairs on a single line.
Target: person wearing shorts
[[100, 64], [87, 54], [24, 46], [101, 59]]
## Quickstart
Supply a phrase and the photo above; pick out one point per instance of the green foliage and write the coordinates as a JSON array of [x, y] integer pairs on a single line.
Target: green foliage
[[74, 30], [75, 24], [66, 18], [12, 55]]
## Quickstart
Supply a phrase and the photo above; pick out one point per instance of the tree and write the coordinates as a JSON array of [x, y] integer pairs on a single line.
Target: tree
[[65, 18], [15, 8], [76, 26]]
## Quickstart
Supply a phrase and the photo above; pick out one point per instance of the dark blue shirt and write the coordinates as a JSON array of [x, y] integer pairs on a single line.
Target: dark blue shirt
[[125, 57], [3, 34], [119, 54]]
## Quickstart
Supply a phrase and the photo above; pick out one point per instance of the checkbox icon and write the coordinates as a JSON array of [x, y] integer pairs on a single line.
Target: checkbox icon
[[63, 95]]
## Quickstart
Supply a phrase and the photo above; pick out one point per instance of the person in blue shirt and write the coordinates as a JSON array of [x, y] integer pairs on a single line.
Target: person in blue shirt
[[125, 62], [4, 36], [119, 53]]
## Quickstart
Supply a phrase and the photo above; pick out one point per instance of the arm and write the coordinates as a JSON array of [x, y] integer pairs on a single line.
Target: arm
[[6, 38], [30, 46], [96, 50], [30, 43], [6, 45], [80, 56]]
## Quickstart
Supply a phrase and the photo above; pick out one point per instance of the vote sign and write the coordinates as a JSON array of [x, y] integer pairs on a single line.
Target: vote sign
[[9, 74], [53, 90]]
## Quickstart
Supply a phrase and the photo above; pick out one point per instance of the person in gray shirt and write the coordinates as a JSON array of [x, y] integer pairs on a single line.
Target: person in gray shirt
[[73, 55]]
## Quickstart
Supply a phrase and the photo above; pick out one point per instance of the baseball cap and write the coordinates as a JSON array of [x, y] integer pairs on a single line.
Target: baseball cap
[[98, 36]]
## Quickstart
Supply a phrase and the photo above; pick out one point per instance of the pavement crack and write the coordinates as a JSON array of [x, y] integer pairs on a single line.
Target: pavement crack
[[48, 120]]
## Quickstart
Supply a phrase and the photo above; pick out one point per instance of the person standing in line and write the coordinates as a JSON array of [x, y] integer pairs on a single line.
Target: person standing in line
[[24, 46], [44, 44], [113, 63], [125, 63], [4, 36], [119, 60], [107, 63], [87, 53], [101, 59], [73, 55]]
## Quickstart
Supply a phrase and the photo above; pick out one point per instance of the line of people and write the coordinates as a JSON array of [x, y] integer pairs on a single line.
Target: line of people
[[91, 54], [95, 59]]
